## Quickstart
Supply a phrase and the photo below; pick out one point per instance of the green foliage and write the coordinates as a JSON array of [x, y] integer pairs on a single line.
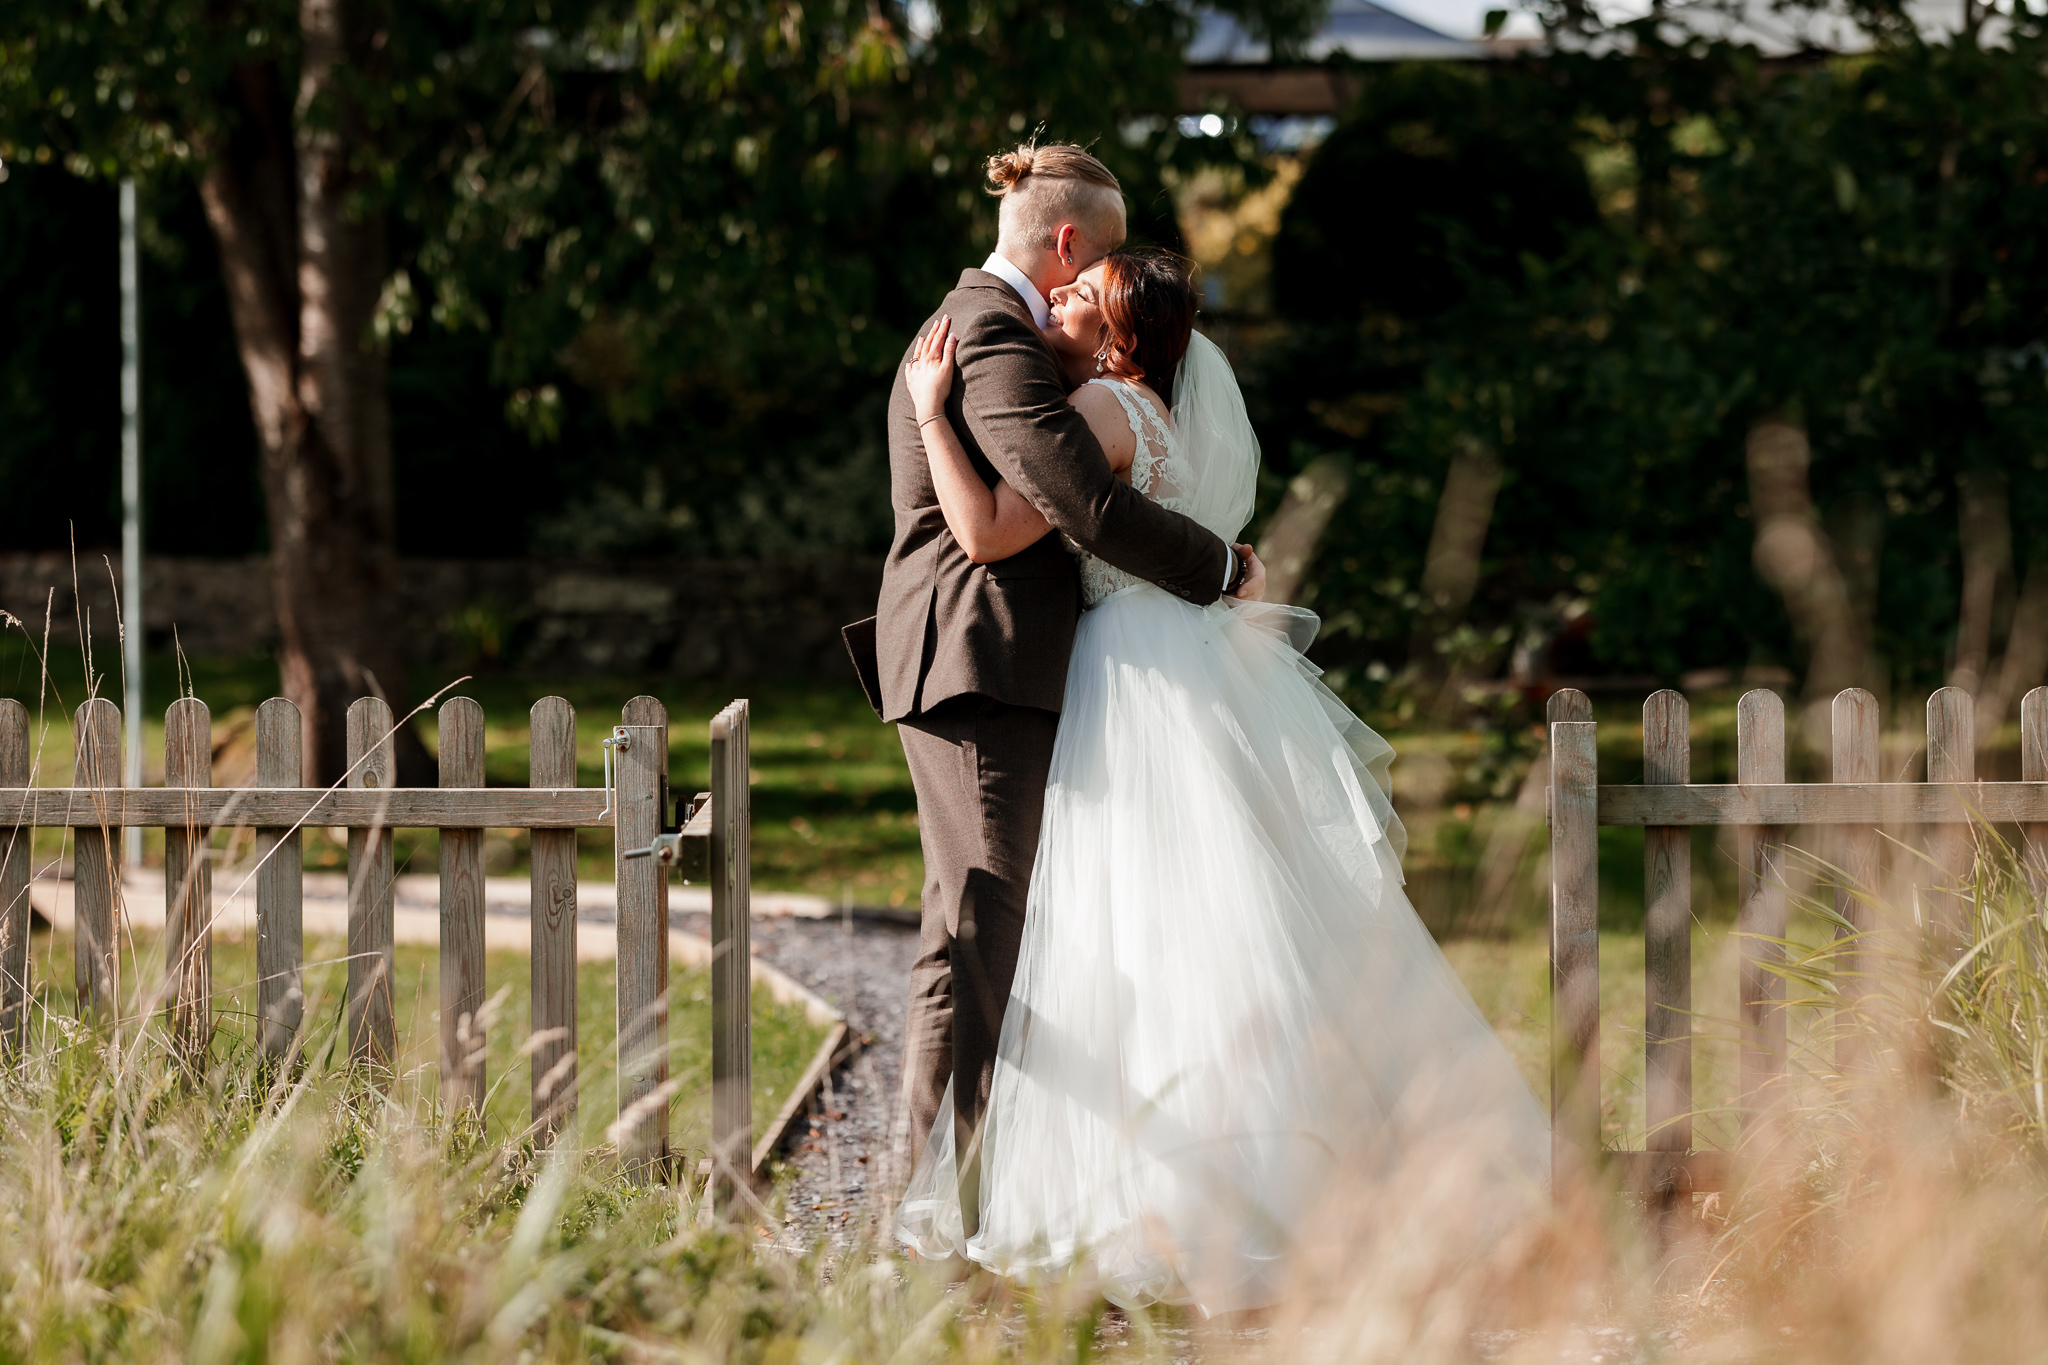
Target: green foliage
[[1426, 266], [107, 90], [704, 262], [1439, 174], [1853, 242], [652, 262]]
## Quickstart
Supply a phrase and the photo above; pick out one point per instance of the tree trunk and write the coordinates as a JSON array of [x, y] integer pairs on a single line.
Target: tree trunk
[[1296, 530], [302, 274], [1450, 568], [1984, 525], [1794, 555], [2026, 657]]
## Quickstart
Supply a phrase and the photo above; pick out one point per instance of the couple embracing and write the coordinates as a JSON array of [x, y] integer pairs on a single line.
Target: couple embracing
[[1169, 991]]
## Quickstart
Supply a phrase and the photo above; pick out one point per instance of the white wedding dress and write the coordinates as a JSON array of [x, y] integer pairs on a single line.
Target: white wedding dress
[[1225, 1004]]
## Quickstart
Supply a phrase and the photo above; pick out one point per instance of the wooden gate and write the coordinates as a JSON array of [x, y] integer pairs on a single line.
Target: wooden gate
[[1762, 806], [710, 841]]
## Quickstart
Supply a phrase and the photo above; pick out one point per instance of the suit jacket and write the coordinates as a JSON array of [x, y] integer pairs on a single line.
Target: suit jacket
[[945, 626]]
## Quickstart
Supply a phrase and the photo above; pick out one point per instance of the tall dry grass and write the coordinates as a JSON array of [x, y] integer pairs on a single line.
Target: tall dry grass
[[1891, 1209], [1892, 1202], [149, 1213]]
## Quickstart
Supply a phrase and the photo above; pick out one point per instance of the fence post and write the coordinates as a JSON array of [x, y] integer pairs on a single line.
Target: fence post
[[188, 881], [732, 1078], [1574, 934], [640, 772], [1667, 933], [280, 883], [1760, 758], [96, 862], [552, 914], [15, 854], [372, 767], [462, 913], [1856, 746], [1951, 757], [2034, 768]]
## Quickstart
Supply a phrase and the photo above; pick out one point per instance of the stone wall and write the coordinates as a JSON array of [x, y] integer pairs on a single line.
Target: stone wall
[[691, 618]]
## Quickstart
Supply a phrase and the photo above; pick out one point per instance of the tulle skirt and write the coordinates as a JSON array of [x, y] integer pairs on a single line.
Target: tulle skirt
[[1225, 1008]]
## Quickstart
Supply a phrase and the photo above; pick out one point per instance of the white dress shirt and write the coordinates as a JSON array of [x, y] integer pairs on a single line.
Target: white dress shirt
[[1001, 267]]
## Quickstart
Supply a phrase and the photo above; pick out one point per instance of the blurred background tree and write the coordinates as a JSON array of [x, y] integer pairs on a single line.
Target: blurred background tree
[[1659, 358], [700, 264], [679, 241], [1642, 354]]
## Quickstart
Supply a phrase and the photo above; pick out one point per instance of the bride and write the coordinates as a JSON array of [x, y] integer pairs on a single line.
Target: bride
[[1225, 1004]]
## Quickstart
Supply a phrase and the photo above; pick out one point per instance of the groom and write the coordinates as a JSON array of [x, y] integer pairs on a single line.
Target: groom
[[970, 661]]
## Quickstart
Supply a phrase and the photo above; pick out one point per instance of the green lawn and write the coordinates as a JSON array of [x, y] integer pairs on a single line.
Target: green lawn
[[834, 813], [1508, 979], [784, 1041], [1510, 982], [833, 810]]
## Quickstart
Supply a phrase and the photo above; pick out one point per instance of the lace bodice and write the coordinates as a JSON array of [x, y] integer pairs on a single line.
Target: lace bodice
[[1157, 471]]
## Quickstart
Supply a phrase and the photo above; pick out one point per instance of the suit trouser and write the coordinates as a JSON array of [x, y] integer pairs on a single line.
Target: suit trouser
[[979, 767]]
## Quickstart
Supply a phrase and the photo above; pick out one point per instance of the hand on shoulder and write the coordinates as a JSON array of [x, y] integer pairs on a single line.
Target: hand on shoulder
[[929, 371]]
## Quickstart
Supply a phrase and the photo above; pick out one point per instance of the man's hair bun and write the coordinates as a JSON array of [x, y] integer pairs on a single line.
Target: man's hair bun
[[1043, 161], [1043, 184], [1006, 170]]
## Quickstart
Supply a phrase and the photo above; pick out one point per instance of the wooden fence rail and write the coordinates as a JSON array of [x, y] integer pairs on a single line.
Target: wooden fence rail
[[710, 838], [1761, 806]]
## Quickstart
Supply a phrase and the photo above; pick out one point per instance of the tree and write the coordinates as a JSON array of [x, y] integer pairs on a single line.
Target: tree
[[696, 232], [268, 107], [711, 256], [1781, 401], [1409, 263]]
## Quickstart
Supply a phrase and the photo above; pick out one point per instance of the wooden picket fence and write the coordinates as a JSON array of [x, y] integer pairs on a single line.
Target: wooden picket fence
[[1762, 807], [709, 842]]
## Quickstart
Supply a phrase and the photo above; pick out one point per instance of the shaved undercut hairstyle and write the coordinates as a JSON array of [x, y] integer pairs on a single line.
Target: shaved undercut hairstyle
[[1045, 185]]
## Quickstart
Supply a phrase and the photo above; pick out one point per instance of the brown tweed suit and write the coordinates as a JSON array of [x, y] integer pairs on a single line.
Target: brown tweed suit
[[971, 661]]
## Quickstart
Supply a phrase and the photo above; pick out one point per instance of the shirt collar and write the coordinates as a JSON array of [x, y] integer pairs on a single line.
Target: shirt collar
[[999, 266]]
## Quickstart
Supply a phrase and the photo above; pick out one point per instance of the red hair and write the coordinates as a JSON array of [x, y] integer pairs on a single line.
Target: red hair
[[1148, 303]]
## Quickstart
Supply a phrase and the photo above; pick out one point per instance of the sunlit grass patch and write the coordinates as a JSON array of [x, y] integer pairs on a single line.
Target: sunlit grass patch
[[784, 1041], [247, 1212], [834, 814]]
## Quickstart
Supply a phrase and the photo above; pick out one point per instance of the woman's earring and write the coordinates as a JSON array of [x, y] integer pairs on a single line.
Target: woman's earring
[[1098, 359]]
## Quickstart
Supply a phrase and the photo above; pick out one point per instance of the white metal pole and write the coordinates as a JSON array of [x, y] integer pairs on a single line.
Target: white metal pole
[[131, 509]]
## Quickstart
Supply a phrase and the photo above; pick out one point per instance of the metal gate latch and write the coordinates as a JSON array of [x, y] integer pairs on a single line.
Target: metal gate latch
[[666, 848], [618, 742]]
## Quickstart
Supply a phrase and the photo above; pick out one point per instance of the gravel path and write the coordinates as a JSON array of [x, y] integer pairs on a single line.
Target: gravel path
[[842, 1162]]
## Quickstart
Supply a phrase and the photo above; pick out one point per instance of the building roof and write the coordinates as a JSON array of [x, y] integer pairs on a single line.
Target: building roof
[[1357, 29]]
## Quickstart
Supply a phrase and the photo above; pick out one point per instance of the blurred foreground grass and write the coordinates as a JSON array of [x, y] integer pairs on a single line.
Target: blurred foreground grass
[[242, 1215], [152, 1214], [1510, 983]]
